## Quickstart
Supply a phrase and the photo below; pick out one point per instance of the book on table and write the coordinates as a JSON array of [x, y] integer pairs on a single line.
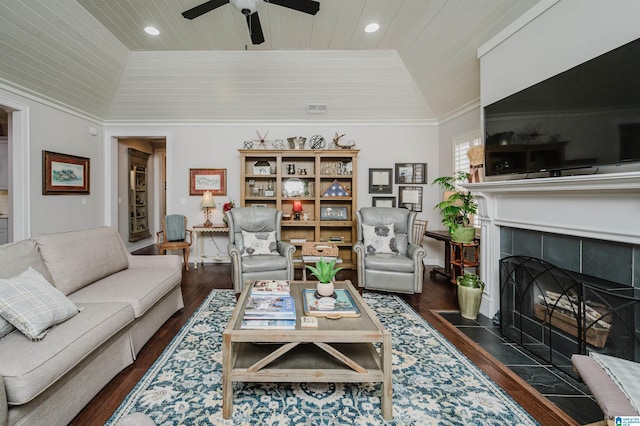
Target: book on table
[[342, 305], [270, 307], [273, 324], [271, 288]]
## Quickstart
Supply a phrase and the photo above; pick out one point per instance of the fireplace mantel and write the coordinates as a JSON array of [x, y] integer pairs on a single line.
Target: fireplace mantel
[[604, 207]]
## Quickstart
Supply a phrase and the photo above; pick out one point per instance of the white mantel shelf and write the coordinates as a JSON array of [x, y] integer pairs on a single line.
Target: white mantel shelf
[[613, 181], [604, 207]]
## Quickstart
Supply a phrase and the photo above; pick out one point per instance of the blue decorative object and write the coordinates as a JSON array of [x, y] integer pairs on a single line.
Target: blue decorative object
[[335, 190]]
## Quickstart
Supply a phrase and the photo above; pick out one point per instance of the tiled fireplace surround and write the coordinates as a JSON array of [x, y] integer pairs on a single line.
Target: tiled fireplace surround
[[588, 224]]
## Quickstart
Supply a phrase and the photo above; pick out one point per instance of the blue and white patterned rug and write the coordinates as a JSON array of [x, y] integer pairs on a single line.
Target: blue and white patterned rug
[[433, 383]]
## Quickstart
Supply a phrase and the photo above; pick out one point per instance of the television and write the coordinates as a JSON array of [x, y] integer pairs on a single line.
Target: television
[[586, 117]]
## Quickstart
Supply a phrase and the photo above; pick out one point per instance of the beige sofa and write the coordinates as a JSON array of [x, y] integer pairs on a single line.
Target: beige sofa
[[123, 300]]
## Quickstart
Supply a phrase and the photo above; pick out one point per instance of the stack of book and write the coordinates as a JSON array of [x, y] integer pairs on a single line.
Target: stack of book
[[270, 306]]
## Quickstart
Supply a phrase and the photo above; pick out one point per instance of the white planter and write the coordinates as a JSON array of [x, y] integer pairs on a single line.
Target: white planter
[[325, 289]]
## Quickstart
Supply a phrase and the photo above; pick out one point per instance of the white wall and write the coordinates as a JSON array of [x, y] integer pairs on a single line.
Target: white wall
[[54, 129]]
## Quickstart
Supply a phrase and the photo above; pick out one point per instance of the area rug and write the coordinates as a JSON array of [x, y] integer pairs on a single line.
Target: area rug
[[433, 383]]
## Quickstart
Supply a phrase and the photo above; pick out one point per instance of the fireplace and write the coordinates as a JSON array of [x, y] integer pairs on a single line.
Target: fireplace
[[556, 313], [579, 224]]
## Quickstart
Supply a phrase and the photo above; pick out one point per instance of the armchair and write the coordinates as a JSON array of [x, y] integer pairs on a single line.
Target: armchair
[[175, 236], [255, 247], [387, 258]]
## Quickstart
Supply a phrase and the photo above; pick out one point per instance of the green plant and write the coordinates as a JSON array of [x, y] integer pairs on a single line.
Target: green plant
[[324, 271], [460, 206]]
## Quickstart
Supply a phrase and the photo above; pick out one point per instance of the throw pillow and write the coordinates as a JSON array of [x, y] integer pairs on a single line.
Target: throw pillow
[[5, 327], [379, 238], [32, 304], [259, 243]]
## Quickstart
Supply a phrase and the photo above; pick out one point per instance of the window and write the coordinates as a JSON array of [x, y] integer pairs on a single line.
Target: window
[[461, 145]]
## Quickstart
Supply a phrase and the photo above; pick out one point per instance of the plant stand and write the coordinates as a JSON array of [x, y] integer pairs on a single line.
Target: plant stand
[[462, 258]]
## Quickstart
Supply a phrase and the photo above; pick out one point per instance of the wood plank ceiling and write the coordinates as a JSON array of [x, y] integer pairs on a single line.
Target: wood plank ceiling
[[92, 56]]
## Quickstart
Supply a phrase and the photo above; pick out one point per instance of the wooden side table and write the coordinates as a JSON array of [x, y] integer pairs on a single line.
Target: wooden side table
[[461, 258], [198, 231]]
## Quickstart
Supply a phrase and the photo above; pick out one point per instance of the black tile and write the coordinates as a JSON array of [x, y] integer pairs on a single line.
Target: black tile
[[508, 354], [481, 335], [582, 409], [455, 319], [544, 380]]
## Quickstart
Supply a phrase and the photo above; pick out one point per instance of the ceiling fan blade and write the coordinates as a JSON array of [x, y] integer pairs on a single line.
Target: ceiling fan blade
[[307, 6], [255, 29], [203, 8]]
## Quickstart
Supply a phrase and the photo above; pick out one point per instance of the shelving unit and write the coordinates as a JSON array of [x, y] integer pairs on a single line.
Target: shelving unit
[[304, 175], [138, 196]]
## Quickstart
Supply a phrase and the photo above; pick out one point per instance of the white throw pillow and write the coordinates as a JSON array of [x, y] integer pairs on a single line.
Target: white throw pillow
[[5, 327], [379, 238], [259, 243], [32, 304]]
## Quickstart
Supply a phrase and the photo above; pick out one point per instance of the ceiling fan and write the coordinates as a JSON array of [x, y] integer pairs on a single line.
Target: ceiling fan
[[249, 10]]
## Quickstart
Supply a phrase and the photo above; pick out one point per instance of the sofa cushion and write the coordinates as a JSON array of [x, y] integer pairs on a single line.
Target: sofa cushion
[[389, 263], [32, 304], [28, 368], [18, 256], [264, 263], [78, 258], [259, 243], [5, 327], [140, 287]]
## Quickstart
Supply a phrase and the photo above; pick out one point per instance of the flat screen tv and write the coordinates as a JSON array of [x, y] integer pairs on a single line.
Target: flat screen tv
[[585, 117]]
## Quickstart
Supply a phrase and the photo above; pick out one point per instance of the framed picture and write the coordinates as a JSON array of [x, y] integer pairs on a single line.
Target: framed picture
[[333, 213], [64, 174], [380, 181], [214, 180], [258, 205], [383, 201], [411, 172], [411, 198]]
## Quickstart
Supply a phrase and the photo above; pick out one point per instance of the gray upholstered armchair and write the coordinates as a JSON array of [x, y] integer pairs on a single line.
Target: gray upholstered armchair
[[387, 259], [255, 247]]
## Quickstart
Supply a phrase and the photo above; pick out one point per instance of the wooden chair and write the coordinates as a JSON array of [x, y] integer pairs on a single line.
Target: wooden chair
[[163, 243]]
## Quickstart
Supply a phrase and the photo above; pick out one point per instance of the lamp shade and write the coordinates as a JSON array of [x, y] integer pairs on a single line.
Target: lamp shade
[[297, 206], [207, 200]]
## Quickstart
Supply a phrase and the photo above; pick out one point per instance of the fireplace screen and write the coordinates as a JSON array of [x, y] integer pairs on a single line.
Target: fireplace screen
[[555, 313]]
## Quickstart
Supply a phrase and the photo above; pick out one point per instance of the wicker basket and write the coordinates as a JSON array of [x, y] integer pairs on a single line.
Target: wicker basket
[[319, 249]]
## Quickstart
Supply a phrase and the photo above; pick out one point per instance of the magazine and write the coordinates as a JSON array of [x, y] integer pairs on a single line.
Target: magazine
[[274, 324], [270, 288], [270, 307], [340, 306]]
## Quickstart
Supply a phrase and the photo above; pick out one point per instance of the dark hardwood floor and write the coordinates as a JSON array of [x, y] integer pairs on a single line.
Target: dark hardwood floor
[[437, 295]]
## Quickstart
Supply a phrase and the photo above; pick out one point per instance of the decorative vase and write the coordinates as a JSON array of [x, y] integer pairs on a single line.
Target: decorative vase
[[470, 290], [463, 235], [325, 289]]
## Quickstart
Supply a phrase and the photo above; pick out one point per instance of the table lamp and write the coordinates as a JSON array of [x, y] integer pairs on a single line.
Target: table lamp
[[297, 208], [207, 203]]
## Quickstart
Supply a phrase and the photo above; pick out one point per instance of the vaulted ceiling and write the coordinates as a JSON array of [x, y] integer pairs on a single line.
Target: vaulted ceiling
[[92, 56]]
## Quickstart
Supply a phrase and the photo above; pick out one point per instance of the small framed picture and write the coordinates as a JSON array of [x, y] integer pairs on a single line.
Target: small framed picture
[[64, 174], [333, 213], [410, 198], [383, 201], [214, 180], [380, 181], [258, 205], [411, 172]]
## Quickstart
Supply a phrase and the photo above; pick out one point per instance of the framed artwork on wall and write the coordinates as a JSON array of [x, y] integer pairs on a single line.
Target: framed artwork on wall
[[380, 181], [383, 201], [410, 198], [411, 172], [64, 174], [214, 180]]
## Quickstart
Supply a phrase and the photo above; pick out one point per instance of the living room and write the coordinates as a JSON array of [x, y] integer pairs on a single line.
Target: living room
[[550, 38]]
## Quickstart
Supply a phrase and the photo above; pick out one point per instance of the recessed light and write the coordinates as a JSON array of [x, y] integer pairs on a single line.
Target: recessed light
[[151, 31], [372, 28]]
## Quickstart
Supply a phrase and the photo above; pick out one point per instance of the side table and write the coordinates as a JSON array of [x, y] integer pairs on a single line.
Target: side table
[[198, 232], [461, 258]]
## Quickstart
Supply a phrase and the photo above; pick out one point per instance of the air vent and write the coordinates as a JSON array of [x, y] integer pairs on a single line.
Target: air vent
[[316, 108]]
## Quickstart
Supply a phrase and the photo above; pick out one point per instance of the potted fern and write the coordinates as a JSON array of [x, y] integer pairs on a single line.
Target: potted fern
[[325, 272], [457, 209]]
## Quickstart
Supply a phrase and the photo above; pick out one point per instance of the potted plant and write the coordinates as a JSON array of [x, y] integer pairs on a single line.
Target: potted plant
[[457, 209], [470, 290], [325, 272]]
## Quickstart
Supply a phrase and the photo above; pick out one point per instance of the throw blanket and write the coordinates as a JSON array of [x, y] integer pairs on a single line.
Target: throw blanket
[[174, 224], [624, 373]]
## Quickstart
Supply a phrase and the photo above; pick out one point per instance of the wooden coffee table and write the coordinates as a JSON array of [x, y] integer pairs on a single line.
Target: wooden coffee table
[[339, 350]]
